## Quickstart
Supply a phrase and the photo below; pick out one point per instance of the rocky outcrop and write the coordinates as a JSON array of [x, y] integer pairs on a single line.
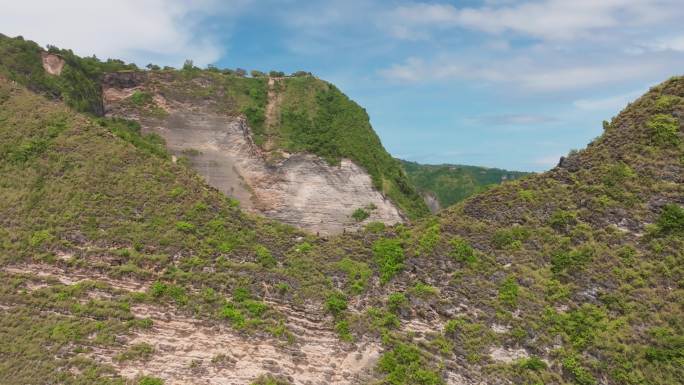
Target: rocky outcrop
[[52, 64], [299, 189]]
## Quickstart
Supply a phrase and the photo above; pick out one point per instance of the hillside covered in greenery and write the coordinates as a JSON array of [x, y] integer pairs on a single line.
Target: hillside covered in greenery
[[310, 115], [452, 183], [573, 276]]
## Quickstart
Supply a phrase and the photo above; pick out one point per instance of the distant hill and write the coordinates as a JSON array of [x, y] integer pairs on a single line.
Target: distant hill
[[452, 183]]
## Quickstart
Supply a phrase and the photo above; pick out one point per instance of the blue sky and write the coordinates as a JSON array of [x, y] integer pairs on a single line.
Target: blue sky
[[499, 83]]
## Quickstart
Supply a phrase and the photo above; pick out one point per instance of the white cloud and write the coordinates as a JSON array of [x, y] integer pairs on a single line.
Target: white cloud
[[611, 103], [533, 71], [547, 19], [673, 43], [164, 32]]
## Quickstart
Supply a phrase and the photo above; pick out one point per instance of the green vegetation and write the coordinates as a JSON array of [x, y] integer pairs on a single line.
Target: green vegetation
[[270, 380], [78, 84], [396, 302], [314, 116], [462, 251], [389, 256], [358, 274], [140, 351], [360, 215], [671, 220], [317, 117], [579, 374], [589, 255], [429, 239], [664, 129], [508, 292], [571, 260], [336, 303], [533, 363], [405, 365], [150, 381], [454, 183]]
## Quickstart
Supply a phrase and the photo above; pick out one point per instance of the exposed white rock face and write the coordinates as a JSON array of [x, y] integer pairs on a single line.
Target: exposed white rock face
[[300, 189], [507, 355], [190, 352], [52, 63]]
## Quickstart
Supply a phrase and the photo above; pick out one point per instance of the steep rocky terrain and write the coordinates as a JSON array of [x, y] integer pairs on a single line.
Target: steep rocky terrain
[[301, 189], [121, 266], [446, 184], [308, 155]]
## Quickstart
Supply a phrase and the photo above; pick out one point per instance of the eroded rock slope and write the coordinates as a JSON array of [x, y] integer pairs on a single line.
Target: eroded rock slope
[[300, 189]]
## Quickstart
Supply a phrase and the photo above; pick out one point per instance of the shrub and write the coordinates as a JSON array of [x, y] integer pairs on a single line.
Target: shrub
[[264, 256], [667, 347], [664, 129], [235, 316], [462, 251], [375, 227], [389, 256], [404, 364], [357, 272], [510, 238], [581, 326], [381, 319], [570, 260], [580, 375], [527, 195], [158, 289], [396, 302], [429, 239], [561, 220], [666, 102], [255, 308], [360, 215], [423, 290], [508, 292], [185, 227], [141, 351], [617, 174], [671, 219], [150, 381], [533, 363], [268, 379], [343, 331], [241, 294], [336, 303], [38, 238], [140, 98]]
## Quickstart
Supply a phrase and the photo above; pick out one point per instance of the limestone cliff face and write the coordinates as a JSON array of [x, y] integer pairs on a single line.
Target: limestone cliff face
[[299, 189]]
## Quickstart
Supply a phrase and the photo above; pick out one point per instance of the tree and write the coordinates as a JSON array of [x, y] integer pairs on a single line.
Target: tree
[[188, 65]]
